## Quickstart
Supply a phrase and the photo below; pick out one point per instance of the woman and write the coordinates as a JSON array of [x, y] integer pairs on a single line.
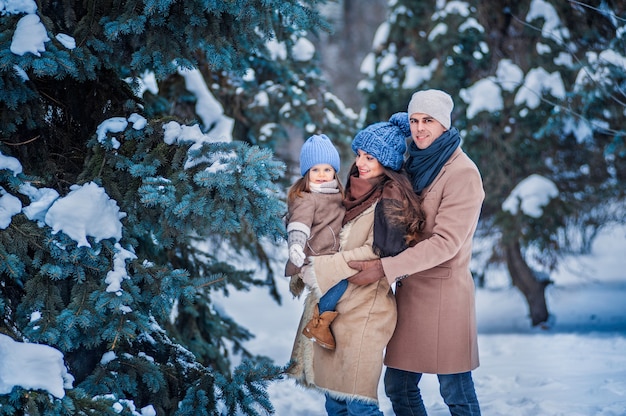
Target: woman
[[380, 206]]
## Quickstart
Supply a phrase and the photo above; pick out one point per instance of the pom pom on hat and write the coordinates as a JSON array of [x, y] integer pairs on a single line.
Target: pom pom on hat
[[435, 103], [386, 141], [316, 150]]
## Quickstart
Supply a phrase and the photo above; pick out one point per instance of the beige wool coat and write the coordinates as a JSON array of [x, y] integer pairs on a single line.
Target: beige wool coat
[[366, 320], [436, 328]]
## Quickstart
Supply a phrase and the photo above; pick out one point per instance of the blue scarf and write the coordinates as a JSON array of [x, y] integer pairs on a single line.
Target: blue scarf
[[423, 165]]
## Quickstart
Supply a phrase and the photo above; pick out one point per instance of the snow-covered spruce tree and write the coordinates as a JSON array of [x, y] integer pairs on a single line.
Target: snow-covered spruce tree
[[165, 112], [539, 100]]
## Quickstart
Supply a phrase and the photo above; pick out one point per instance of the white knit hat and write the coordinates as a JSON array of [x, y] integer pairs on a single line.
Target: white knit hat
[[435, 103]]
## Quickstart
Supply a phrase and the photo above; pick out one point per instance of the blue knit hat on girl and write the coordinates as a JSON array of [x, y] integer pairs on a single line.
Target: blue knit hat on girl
[[386, 141], [316, 150]]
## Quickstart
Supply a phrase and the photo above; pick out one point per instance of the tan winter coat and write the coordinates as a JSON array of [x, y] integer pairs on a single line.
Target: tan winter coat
[[436, 329], [367, 316]]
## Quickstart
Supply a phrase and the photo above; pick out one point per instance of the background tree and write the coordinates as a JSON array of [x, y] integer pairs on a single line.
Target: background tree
[[217, 88], [539, 94], [342, 50]]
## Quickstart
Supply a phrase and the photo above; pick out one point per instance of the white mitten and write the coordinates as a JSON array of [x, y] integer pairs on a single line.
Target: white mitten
[[296, 255]]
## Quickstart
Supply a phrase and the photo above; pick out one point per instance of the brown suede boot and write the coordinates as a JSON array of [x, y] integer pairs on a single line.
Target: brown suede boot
[[318, 328]]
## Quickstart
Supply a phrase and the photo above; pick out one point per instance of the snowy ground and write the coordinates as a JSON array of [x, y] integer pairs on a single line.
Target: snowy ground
[[577, 368]]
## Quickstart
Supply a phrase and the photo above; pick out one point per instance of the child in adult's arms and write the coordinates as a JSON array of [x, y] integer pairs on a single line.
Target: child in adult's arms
[[315, 214]]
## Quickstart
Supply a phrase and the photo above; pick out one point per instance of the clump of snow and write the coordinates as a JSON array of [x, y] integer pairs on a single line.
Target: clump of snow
[[17, 7], [207, 107], [415, 74], [118, 125], [138, 121], [537, 81], [10, 163], [107, 357], [471, 23], [303, 50], [598, 70], [581, 129], [509, 75], [66, 40], [29, 36], [175, 133], [388, 62], [453, 7], [484, 95], [86, 211], [41, 200], [261, 99], [552, 27], [440, 29], [381, 35], [118, 274], [32, 366], [111, 125], [531, 195], [9, 206], [146, 82]]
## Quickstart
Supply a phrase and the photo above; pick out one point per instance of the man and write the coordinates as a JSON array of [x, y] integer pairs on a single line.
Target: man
[[436, 329]]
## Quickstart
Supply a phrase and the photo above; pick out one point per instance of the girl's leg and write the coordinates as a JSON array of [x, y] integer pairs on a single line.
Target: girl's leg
[[318, 328], [328, 302]]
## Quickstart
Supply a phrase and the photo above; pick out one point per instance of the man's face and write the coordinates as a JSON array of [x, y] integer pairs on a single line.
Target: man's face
[[424, 129]]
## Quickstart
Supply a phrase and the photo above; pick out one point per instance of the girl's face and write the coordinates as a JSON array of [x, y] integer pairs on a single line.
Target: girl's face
[[369, 167], [321, 173]]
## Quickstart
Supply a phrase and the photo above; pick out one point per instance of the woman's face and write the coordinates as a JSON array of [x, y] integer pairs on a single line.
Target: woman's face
[[369, 167]]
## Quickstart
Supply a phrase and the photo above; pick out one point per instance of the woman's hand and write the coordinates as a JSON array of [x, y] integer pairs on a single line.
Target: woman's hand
[[308, 276], [370, 271]]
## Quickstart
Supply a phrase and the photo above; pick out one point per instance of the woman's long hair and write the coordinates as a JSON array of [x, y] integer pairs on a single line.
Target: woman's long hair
[[409, 214], [302, 185]]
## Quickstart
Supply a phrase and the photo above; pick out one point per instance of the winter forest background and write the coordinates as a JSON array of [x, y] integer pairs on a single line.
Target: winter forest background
[[145, 151]]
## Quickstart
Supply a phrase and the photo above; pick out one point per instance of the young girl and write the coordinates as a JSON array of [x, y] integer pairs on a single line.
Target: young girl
[[315, 210]]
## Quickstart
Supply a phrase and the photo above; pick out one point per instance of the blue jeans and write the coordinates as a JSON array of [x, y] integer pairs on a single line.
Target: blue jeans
[[328, 302], [457, 391], [338, 407]]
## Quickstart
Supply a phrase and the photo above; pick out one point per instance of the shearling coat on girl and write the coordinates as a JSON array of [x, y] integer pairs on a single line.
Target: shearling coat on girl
[[319, 216], [367, 317], [436, 328]]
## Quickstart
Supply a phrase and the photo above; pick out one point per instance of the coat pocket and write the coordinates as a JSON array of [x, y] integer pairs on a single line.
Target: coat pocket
[[439, 272]]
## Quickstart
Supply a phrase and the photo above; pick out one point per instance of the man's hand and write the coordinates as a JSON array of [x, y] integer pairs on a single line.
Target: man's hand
[[370, 271]]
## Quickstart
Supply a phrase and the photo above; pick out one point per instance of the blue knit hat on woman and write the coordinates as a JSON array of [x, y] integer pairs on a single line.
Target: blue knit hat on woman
[[316, 150], [386, 141]]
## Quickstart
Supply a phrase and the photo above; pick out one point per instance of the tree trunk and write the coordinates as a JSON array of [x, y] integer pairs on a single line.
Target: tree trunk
[[524, 279]]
